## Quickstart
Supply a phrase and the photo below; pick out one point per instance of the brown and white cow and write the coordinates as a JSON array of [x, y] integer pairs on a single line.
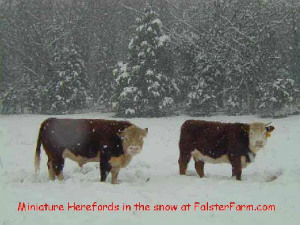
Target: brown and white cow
[[215, 142], [112, 143]]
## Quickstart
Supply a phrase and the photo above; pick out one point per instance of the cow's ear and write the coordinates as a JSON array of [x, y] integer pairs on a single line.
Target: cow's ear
[[121, 135], [245, 128], [145, 132], [270, 128]]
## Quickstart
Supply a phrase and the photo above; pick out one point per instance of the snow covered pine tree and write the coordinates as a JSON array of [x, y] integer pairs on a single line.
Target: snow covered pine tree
[[68, 88], [276, 96], [145, 86]]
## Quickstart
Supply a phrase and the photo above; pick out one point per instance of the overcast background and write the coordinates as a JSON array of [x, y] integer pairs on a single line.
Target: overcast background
[[150, 58]]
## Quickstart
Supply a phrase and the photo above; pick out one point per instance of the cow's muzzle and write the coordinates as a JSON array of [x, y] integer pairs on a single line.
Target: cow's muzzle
[[259, 144], [133, 149]]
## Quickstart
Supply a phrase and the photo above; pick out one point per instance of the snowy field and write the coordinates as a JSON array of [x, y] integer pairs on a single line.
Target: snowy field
[[151, 178]]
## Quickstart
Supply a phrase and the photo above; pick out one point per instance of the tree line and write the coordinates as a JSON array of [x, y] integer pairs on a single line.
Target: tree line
[[150, 58]]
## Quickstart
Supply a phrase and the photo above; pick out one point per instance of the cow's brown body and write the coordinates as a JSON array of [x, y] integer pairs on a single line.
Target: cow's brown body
[[215, 142], [82, 140]]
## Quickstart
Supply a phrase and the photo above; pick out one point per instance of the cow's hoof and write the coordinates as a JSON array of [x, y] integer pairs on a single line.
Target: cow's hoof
[[115, 182]]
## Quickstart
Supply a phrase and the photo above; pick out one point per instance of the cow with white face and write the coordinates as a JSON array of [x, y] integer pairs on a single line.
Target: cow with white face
[[216, 142], [133, 139], [258, 134], [111, 143]]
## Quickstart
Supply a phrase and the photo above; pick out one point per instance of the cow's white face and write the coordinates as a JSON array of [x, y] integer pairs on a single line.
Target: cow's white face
[[258, 134], [133, 139]]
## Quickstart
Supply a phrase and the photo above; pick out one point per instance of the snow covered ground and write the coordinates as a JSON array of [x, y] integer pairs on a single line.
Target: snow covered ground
[[151, 178]]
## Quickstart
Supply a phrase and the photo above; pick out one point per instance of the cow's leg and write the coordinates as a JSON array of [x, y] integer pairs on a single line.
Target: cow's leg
[[199, 166], [58, 165], [233, 172], [183, 161], [51, 172], [105, 167], [60, 176], [182, 167], [236, 167], [114, 174], [104, 171]]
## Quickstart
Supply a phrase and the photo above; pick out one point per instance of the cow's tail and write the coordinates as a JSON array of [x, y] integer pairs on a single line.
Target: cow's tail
[[37, 157]]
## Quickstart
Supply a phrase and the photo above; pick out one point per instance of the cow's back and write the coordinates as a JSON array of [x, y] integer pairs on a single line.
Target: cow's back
[[214, 139], [81, 136]]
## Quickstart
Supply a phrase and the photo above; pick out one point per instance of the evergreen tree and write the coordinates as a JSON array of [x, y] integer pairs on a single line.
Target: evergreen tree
[[145, 86], [204, 87], [67, 88], [186, 48], [276, 95], [1, 61]]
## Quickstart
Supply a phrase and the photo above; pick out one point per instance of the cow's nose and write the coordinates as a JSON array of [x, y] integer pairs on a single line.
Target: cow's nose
[[134, 148], [259, 143]]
